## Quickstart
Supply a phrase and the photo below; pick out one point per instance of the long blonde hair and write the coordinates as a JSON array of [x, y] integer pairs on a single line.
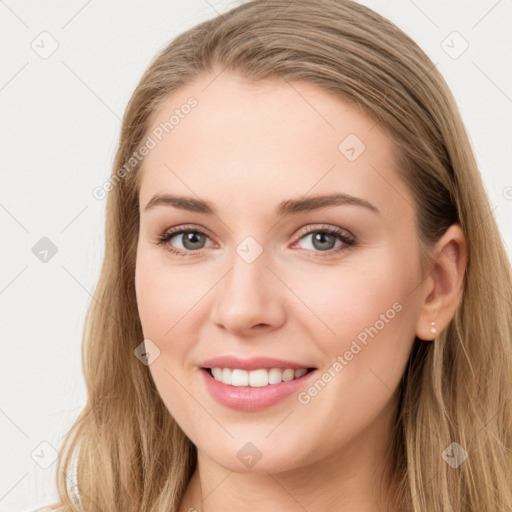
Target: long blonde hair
[[129, 453]]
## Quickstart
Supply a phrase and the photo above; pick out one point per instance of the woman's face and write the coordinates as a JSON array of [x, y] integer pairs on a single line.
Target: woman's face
[[275, 272]]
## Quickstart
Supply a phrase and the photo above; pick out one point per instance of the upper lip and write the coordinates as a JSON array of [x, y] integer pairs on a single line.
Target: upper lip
[[253, 363]]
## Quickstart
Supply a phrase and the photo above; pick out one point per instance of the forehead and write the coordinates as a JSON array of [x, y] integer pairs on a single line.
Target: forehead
[[275, 138]]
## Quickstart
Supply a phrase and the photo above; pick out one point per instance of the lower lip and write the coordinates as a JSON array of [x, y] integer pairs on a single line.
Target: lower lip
[[247, 398]]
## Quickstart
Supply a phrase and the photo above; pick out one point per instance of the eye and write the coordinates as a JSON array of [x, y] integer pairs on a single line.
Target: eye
[[191, 240], [324, 239]]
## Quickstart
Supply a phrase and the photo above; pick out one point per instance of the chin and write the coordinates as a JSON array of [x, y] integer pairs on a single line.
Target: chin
[[258, 457]]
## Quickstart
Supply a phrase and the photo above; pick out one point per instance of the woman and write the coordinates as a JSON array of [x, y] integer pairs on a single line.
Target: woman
[[305, 302]]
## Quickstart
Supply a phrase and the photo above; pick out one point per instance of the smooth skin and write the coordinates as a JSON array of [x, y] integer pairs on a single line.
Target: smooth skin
[[245, 148]]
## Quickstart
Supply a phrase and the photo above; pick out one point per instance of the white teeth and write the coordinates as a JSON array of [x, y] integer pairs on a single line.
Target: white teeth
[[239, 378], [258, 378], [226, 375], [217, 373], [255, 378], [275, 376]]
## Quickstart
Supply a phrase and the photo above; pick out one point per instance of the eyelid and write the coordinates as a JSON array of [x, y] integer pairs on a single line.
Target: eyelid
[[310, 228], [189, 227]]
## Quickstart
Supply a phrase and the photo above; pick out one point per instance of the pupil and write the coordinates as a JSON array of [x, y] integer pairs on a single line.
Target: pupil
[[191, 239], [320, 238]]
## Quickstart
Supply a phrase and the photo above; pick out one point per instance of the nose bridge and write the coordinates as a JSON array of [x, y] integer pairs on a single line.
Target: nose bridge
[[249, 273], [249, 294]]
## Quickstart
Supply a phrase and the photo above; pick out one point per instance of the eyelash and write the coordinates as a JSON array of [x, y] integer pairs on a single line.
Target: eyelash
[[348, 241]]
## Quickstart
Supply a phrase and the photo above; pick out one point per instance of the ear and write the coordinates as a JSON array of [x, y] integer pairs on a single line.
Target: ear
[[442, 290]]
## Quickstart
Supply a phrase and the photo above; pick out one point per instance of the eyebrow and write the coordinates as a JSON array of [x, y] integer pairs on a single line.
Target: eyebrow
[[285, 208]]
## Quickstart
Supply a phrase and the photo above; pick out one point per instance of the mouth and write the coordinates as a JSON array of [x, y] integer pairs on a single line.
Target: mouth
[[258, 378]]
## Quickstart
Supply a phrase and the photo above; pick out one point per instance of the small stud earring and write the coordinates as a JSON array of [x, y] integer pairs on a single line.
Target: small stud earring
[[433, 330]]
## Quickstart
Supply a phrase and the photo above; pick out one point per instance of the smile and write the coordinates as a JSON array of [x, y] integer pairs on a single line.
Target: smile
[[257, 389], [256, 378]]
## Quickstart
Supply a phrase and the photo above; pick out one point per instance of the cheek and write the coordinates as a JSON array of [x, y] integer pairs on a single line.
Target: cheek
[[370, 312], [170, 302], [165, 299], [164, 293], [361, 315], [340, 302]]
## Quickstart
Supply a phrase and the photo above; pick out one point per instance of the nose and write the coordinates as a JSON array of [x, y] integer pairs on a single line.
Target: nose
[[249, 298]]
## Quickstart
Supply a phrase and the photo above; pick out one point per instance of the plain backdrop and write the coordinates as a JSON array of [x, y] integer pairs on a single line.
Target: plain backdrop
[[68, 69]]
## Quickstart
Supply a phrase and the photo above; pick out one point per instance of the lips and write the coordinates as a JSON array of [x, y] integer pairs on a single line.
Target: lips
[[238, 395], [254, 363]]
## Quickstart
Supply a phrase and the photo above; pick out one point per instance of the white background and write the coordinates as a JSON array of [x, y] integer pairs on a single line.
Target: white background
[[60, 119]]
